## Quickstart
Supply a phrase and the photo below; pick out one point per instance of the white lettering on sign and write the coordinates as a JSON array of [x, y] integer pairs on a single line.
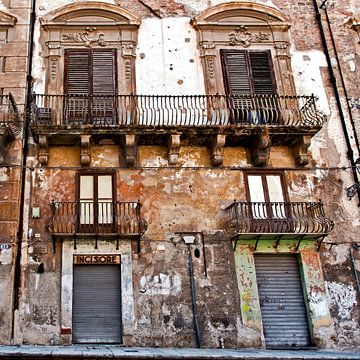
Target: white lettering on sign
[[5, 246]]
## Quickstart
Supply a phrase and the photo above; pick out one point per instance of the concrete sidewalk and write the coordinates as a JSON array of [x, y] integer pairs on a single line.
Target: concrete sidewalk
[[117, 352]]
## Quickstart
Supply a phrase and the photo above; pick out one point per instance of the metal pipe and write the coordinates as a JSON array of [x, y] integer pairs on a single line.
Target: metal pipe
[[25, 139], [324, 7], [353, 265], [193, 298], [349, 153]]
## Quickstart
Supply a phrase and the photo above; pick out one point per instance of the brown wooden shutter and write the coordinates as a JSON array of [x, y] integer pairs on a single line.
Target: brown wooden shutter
[[77, 77], [262, 72], [103, 71], [247, 72], [236, 72], [90, 71]]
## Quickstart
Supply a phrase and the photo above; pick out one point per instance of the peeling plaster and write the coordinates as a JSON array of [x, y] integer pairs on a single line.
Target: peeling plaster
[[162, 284], [343, 297]]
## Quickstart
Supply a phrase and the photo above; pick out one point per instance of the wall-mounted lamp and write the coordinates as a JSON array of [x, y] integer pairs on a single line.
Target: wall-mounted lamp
[[189, 239]]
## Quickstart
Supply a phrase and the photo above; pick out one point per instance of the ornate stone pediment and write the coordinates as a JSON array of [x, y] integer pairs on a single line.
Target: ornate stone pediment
[[7, 20], [241, 13], [354, 24], [89, 14]]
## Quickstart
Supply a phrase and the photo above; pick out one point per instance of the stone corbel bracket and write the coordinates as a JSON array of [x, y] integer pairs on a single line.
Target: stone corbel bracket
[[85, 157], [130, 149], [43, 154], [217, 149], [301, 151], [174, 148], [260, 149]]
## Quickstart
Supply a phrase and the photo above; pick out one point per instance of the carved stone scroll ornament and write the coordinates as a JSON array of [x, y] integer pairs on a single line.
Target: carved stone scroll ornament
[[43, 154], [174, 148], [260, 149], [89, 37], [217, 150], [85, 150], [241, 36], [130, 149]]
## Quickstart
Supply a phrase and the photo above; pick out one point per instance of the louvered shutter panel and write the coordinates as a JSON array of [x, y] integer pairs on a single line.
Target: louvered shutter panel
[[261, 71], [77, 85], [103, 86], [77, 80], [103, 72], [236, 72]]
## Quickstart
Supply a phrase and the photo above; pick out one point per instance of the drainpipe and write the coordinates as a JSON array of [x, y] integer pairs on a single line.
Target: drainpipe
[[357, 247], [190, 239], [25, 139], [324, 7], [349, 152]]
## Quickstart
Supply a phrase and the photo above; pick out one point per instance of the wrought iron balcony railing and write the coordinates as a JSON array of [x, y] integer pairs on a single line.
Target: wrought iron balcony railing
[[97, 218], [166, 111], [303, 218], [9, 114]]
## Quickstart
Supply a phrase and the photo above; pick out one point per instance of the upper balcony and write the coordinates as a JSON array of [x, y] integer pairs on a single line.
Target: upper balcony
[[276, 220], [243, 120]]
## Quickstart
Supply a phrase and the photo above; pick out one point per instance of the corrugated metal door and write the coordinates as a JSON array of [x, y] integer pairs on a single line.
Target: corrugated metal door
[[97, 304], [282, 301]]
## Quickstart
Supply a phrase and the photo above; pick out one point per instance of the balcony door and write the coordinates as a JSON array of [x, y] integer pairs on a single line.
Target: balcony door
[[267, 203], [90, 86], [248, 74], [96, 203]]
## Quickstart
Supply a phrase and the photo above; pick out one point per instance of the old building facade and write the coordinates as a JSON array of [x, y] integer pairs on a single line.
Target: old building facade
[[162, 165]]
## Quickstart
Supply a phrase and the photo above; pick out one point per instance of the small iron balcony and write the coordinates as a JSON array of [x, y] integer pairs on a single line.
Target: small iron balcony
[[290, 219], [120, 218], [136, 111], [9, 114]]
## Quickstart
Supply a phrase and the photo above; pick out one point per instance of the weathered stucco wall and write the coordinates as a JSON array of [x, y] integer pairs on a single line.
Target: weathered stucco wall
[[190, 197]]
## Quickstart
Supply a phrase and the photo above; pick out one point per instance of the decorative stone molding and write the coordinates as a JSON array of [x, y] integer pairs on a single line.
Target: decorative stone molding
[[300, 151], [7, 20], [260, 150], [90, 24], [85, 150], [130, 149], [53, 65], [354, 24], [282, 49], [243, 24], [88, 38], [241, 36], [110, 15], [217, 150], [174, 148], [43, 154]]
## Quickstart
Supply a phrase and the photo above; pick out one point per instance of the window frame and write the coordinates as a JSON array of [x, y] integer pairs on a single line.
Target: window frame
[[95, 225], [258, 222], [247, 57]]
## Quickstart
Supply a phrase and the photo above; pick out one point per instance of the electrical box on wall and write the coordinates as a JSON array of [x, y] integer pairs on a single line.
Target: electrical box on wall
[[35, 213]]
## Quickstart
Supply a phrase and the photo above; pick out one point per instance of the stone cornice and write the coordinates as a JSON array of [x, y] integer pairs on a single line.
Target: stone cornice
[[7, 19]]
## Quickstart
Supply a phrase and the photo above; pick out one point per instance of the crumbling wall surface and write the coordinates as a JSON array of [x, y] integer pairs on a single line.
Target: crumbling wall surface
[[343, 292], [191, 200], [13, 67], [164, 310]]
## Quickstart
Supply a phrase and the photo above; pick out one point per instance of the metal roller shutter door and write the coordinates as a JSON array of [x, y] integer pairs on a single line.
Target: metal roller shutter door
[[97, 304], [282, 301]]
